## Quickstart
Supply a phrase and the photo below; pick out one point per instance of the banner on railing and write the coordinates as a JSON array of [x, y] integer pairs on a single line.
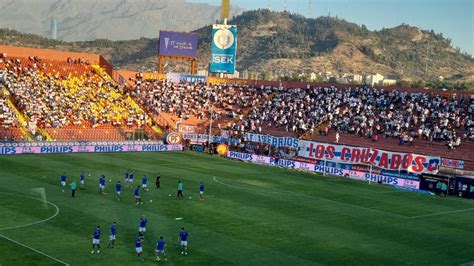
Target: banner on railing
[[394, 161], [273, 141], [450, 163], [196, 138], [203, 138], [10, 150], [186, 128]]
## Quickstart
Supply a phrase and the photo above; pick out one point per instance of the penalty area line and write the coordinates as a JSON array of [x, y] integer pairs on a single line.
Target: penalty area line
[[440, 213], [33, 249]]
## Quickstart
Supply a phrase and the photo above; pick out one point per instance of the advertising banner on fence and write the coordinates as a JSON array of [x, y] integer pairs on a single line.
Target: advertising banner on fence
[[154, 76], [202, 138], [273, 141], [359, 175], [186, 128], [450, 163], [394, 161], [223, 49], [196, 138], [11, 150], [175, 77], [178, 43]]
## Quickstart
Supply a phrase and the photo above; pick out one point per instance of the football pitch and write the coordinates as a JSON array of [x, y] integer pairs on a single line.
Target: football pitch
[[251, 215]]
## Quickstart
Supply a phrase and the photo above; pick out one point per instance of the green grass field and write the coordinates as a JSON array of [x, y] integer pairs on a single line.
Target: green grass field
[[252, 215]]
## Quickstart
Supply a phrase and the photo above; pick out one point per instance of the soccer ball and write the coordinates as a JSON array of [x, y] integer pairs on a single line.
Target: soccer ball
[[151, 201], [110, 180], [169, 195], [89, 174], [189, 197]]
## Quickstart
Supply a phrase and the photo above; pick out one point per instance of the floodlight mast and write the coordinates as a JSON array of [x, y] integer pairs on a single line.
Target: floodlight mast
[[225, 11]]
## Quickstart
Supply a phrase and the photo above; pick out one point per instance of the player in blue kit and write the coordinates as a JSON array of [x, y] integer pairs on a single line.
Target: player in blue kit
[[142, 227], [130, 179], [113, 234], [145, 183], [82, 179], [118, 188], [102, 185], [126, 177], [201, 191], [160, 249], [63, 181], [138, 247], [183, 237], [138, 199], [96, 240]]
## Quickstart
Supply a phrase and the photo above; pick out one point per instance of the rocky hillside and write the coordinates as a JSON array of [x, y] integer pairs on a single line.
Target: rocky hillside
[[281, 43]]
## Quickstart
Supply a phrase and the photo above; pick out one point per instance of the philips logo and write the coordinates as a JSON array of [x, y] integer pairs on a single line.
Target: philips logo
[[114, 148], [57, 149], [282, 162], [241, 156], [4, 150], [154, 148]]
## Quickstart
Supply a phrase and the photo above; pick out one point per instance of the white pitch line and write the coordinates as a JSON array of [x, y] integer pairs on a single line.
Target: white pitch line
[[468, 264], [30, 224], [33, 223], [440, 213], [309, 196], [33, 249]]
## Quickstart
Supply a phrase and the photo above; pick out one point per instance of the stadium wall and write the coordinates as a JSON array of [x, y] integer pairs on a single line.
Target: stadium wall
[[56, 55], [49, 54]]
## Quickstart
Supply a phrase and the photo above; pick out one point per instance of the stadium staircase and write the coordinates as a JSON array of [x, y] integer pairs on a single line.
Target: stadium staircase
[[21, 119]]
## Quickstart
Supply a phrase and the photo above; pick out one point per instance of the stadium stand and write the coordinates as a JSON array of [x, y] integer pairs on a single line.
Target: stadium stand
[[72, 100], [176, 103], [72, 96]]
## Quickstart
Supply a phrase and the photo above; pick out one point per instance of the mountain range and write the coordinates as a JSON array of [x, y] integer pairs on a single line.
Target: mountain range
[[83, 20], [282, 43]]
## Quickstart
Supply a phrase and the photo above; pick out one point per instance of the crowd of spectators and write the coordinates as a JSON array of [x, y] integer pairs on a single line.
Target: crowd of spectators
[[366, 112], [8, 117], [294, 110], [198, 100], [376, 113], [52, 102]]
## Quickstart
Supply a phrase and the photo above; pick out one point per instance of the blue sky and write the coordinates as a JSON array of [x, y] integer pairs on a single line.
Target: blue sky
[[453, 18]]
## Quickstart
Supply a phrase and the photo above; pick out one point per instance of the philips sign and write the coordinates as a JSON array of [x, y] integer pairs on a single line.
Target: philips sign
[[90, 147]]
